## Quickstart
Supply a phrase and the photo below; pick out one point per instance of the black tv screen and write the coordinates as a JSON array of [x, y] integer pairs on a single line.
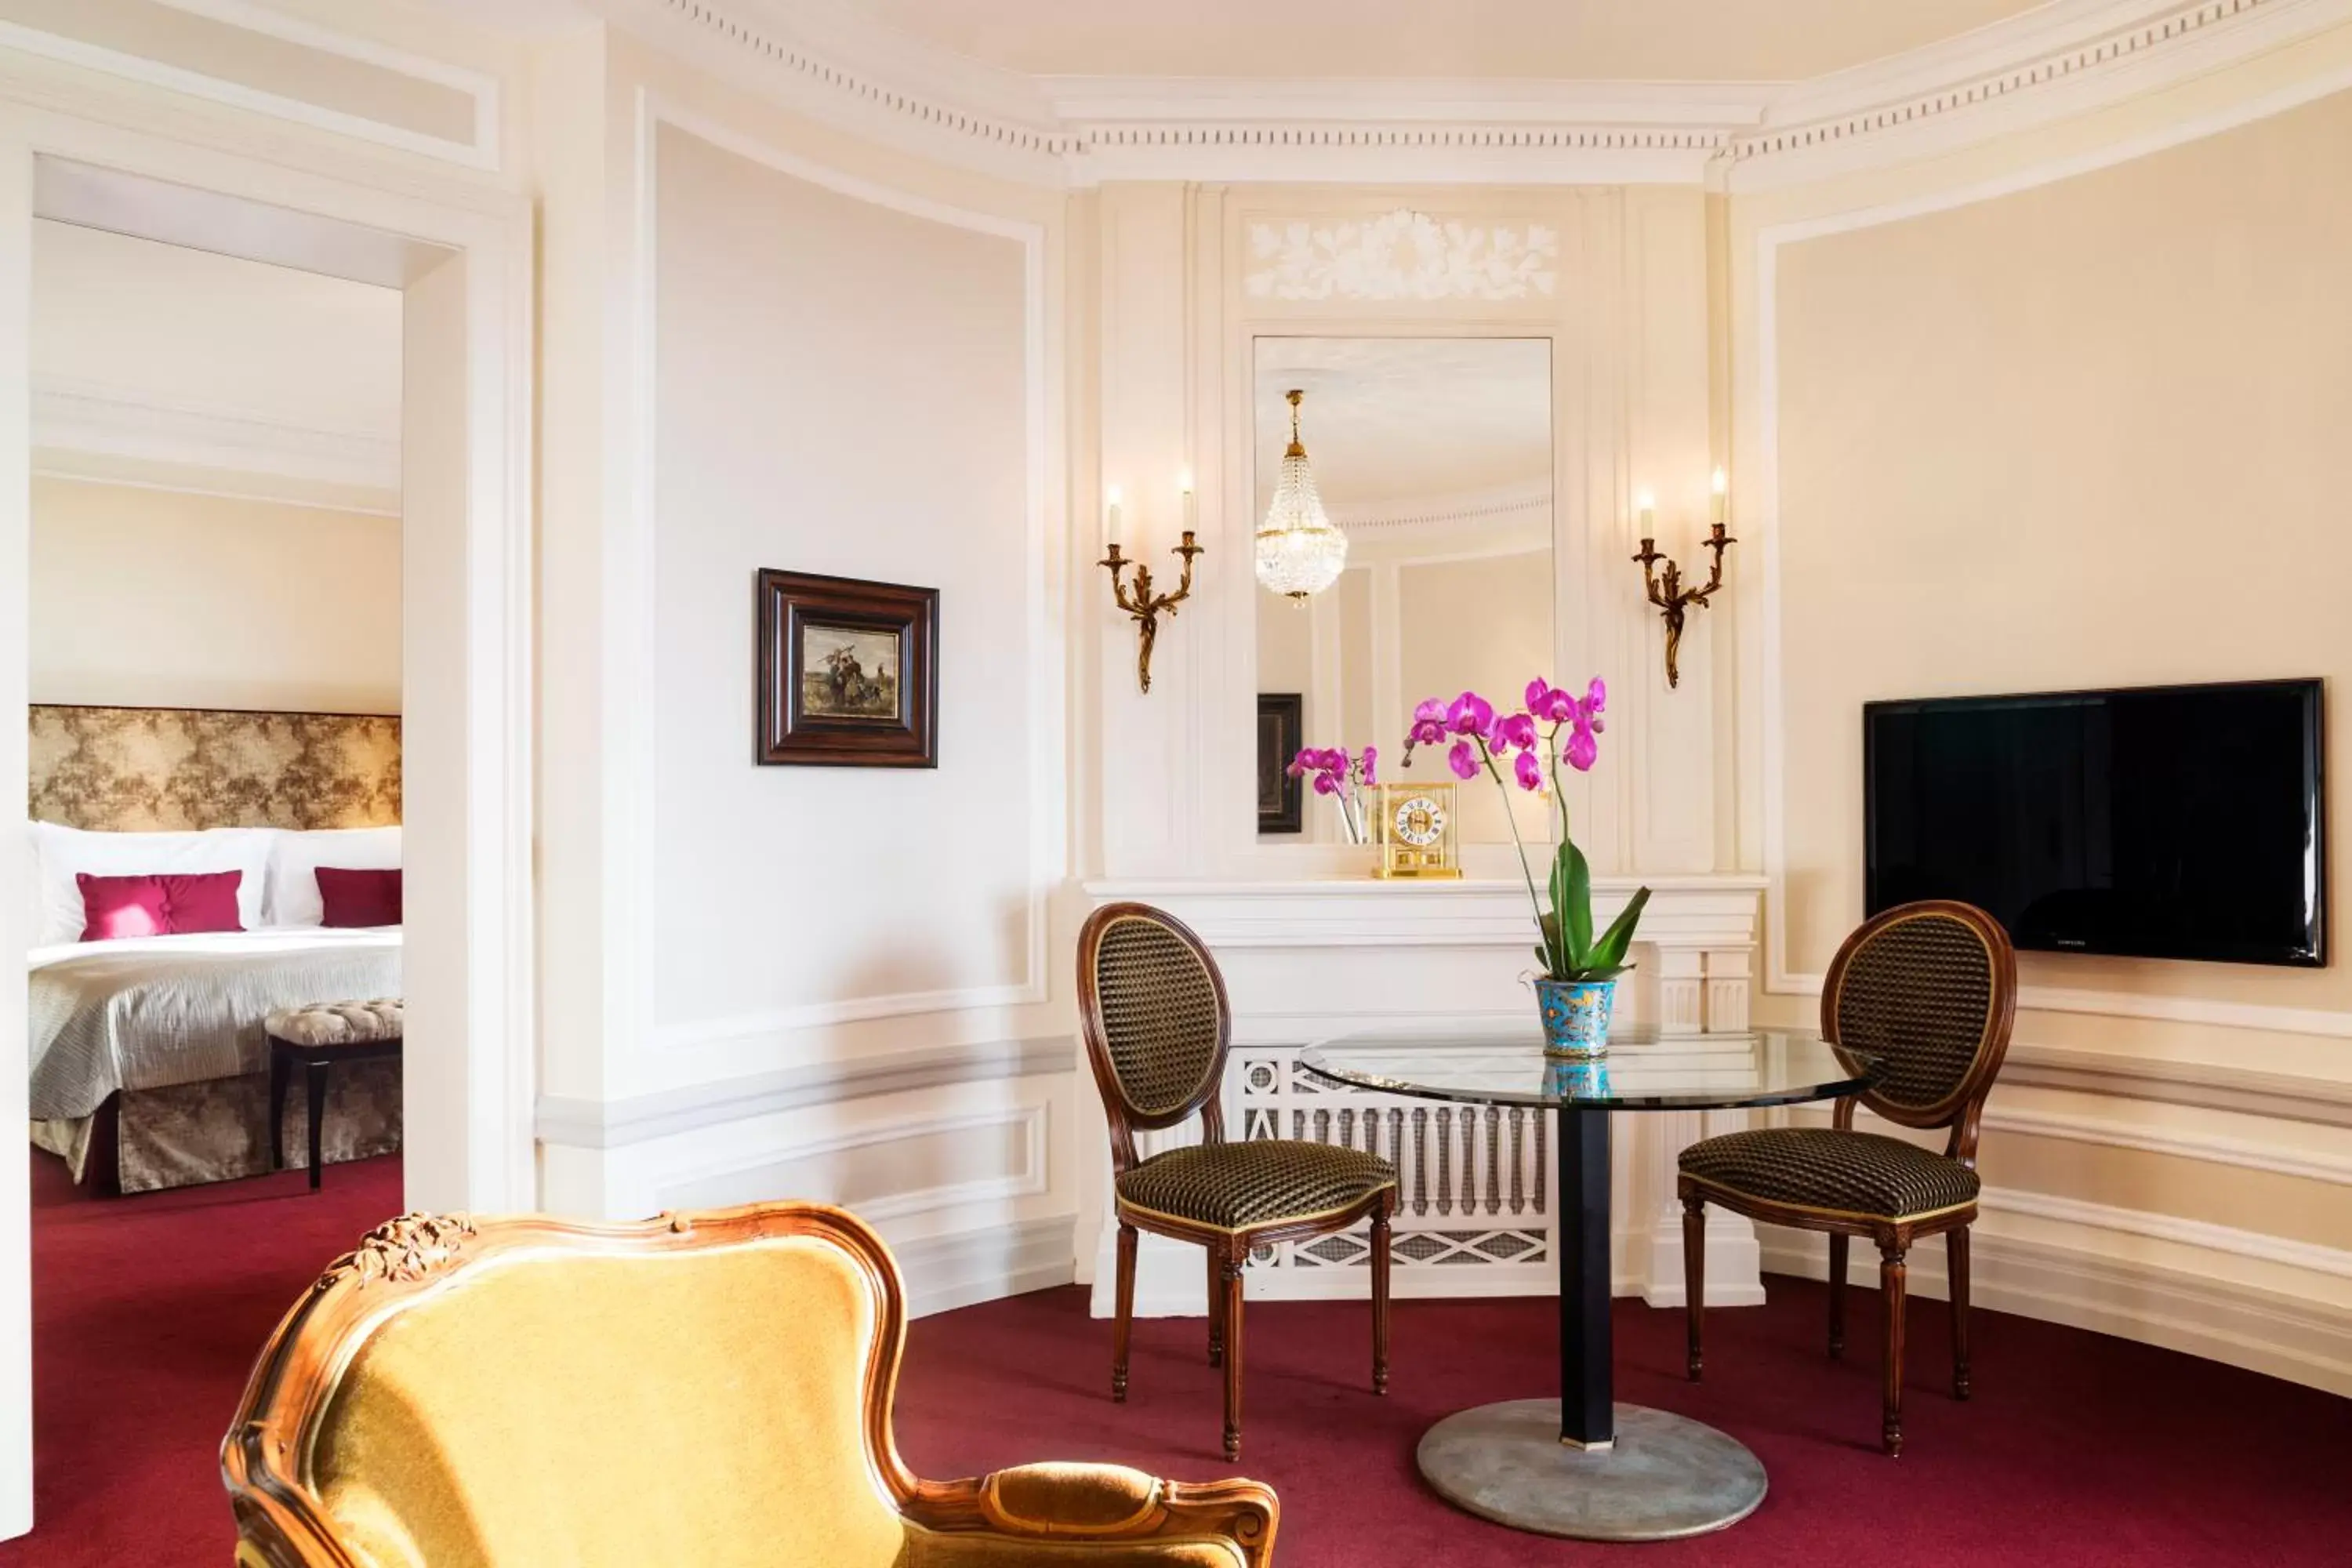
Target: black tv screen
[[2163, 822]]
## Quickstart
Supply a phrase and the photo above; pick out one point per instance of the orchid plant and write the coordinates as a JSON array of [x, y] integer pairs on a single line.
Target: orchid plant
[[1531, 743], [1345, 778]]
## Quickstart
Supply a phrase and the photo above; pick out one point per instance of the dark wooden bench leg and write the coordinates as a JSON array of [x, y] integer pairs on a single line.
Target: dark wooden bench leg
[[315, 1081], [1216, 1307], [279, 1069]]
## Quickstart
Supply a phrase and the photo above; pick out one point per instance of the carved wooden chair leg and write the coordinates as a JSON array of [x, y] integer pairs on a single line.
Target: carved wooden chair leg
[[1381, 1300], [1957, 1242], [1216, 1307], [1837, 1295], [1233, 1261], [1891, 1278], [1694, 1278], [1119, 1333]]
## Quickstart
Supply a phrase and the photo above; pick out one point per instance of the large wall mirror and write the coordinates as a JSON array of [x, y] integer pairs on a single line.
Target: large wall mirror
[[1434, 457]]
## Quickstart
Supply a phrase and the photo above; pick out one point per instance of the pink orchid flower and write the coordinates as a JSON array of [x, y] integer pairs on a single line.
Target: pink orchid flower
[[1469, 714], [1528, 770], [1461, 760]]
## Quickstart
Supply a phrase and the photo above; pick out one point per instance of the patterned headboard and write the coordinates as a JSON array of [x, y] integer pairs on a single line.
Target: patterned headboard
[[126, 769]]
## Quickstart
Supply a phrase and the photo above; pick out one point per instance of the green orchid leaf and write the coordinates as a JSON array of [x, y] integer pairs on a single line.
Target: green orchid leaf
[[1610, 951], [1571, 901]]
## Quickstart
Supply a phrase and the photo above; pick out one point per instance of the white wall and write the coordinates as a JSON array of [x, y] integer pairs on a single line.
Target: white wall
[[157, 598], [842, 391], [841, 983]]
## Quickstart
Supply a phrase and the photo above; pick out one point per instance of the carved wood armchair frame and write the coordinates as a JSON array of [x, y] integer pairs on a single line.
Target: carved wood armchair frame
[[266, 1458]]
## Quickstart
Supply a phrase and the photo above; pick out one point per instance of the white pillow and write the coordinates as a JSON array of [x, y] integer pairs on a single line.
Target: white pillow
[[295, 859], [67, 852]]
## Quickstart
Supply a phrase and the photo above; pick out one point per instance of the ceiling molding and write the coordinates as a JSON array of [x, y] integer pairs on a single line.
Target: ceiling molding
[[1514, 503], [2066, 58], [110, 434]]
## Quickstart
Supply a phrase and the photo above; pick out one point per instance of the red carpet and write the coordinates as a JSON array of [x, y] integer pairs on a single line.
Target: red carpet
[[2077, 1450]]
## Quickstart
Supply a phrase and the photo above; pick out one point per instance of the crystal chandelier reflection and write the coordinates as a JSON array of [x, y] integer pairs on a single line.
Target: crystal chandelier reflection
[[1299, 551]]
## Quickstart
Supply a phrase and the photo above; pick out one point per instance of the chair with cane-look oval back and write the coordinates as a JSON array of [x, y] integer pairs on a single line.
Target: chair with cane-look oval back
[[1929, 991], [1158, 1028]]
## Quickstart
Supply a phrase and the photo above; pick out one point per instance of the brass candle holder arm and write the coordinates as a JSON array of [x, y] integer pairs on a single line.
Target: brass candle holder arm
[[1146, 607], [1674, 601]]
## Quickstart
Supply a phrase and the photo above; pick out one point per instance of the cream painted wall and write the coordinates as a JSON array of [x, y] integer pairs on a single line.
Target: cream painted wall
[[2084, 434], [159, 598], [2064, 410], [842, 391]]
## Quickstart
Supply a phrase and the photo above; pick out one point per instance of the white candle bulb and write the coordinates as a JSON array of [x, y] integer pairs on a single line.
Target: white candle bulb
[[1647, 505], [1185, 494], [1721, 486], [1110, 499]]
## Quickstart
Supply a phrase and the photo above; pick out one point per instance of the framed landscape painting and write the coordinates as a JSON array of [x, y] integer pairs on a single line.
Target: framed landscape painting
[[847, 672]]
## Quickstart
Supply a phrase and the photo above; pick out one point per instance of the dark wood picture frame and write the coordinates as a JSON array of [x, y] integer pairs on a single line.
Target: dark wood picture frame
[[792, 606], [1281, 731]]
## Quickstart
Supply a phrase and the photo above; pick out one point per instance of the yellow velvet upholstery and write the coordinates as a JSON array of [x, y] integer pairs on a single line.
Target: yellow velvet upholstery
[[709, 1391], [608, 1412]]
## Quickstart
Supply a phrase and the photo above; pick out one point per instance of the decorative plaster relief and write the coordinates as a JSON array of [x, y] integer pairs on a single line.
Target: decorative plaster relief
[[1402, 255]]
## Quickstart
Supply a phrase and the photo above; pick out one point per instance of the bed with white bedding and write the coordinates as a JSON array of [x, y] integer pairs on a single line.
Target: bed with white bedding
[[149, 1066], [150, 1050]]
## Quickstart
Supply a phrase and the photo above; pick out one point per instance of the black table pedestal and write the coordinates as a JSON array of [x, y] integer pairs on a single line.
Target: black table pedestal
[[1588, 1467]]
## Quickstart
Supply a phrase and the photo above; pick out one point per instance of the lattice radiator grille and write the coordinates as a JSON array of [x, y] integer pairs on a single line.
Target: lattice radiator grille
[[1473, 1179]]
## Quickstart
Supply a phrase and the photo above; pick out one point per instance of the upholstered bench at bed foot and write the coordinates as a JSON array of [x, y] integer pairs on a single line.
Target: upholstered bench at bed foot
[[314, 1036]]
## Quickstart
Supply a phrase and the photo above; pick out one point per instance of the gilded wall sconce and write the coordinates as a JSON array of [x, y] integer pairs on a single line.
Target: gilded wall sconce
[[1138, 601], [1665, 587]]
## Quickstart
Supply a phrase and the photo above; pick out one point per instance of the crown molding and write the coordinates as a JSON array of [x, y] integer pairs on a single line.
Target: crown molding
[[1460, 510], [821, 58], [103, 434]]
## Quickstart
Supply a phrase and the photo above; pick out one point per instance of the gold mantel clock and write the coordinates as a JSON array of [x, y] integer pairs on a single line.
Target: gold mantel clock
[[1415, 830]]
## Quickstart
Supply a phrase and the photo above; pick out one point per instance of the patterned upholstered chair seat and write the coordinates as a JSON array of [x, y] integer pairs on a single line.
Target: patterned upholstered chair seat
[[1821, 1168], [337, 1023], [1230, 1185]]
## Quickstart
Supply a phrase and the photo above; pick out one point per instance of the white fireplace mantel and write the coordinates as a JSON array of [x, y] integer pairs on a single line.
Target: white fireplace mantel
[[1307, 958]]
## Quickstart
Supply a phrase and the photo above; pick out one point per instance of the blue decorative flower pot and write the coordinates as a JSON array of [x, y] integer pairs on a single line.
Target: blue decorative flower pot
[[1576, 1015]]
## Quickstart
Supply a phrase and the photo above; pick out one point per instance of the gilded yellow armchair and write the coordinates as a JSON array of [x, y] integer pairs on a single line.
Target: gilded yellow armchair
[[710, 1390]]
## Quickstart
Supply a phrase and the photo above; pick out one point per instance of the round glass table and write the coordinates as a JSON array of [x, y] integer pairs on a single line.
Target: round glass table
[[1585, 1466]]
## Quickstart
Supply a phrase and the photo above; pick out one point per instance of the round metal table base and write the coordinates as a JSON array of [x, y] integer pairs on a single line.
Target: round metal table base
[[1666, 1477]]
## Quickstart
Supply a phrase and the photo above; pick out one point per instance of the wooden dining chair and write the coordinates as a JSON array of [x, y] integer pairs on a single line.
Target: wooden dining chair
[[1157, 1027], [1929, 989]]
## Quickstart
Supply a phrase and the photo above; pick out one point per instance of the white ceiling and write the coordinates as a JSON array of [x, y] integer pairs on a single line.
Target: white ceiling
[[1580, 41], [149, 357], [1393, 421]]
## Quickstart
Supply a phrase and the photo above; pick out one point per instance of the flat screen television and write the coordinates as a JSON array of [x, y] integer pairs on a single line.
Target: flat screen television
[[2161, 822]]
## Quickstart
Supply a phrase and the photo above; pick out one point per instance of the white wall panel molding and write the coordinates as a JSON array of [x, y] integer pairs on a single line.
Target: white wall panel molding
[[986, 1263], [2291, 1097], [274, 33], [2273, 1305], [630, 754], [615, 1123], [727, 1178], [2068, 57]]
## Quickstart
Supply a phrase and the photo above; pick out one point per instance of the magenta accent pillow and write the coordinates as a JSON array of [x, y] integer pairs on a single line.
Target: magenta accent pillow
[[359, 898], [158, 906]]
